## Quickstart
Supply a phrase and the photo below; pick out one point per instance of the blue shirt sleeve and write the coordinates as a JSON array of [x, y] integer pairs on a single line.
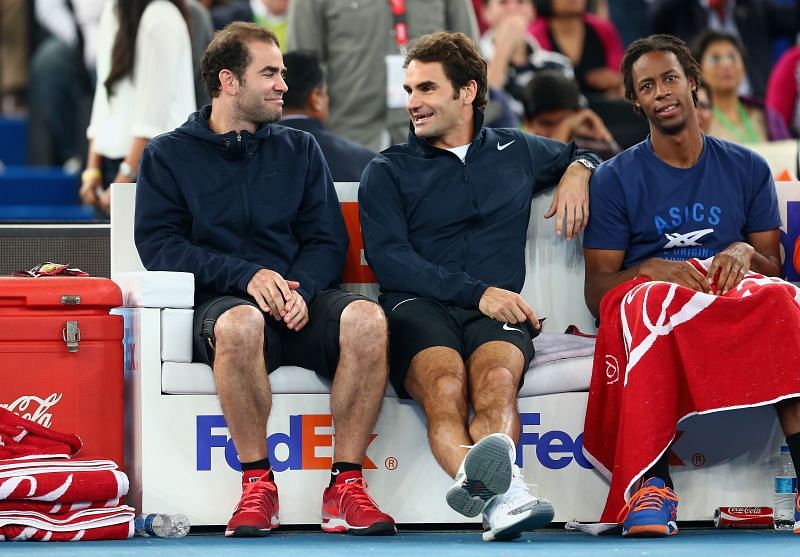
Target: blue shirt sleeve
[[608, 226], [762, 211]]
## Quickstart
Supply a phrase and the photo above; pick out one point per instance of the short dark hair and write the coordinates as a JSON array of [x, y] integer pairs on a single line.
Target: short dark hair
[[654, 43], [304, 73], [228, 50], [550, 90], [460, 58], [710, 36]]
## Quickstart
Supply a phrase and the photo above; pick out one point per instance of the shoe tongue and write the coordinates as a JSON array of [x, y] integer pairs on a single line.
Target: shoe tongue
[[251, 476], [655, 482], [348, 477]]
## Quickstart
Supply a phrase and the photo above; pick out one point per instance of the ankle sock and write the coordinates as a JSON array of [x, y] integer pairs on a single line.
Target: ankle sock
[[251, 471], [793, 441], [339, 467]]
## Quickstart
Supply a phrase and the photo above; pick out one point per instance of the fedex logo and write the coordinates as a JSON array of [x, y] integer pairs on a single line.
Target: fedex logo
[[554, 449], [299, 445]]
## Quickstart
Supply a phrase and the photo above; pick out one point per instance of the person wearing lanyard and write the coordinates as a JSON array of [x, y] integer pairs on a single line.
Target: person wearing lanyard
[[365, 68], [735, 118]]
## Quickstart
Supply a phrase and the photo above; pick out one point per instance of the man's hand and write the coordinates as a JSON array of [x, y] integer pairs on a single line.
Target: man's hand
[[571, 198], [507, 306], [732, 264], [271, 292], [677, 272], [296, 312]]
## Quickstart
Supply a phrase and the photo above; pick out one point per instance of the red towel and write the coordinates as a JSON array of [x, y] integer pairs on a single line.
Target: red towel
[[61, 481], [115, 523], [55, 508], [20, 437], [665, 352]]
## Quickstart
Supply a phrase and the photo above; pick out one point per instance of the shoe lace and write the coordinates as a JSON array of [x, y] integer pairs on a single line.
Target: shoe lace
[[258, 496], [647, 498], [353, 497]]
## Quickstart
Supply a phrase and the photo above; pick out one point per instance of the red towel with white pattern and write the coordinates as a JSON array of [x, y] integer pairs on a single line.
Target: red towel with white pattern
[[114, 523], [665, 352], [61, 480], [20, 438]]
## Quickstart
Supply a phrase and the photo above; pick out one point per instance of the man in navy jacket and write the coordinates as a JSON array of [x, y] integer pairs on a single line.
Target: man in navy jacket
[[444, 220], [250, 209]]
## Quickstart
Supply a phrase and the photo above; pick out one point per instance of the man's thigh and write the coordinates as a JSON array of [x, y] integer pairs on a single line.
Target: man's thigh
[[416, 328], [316, 346]]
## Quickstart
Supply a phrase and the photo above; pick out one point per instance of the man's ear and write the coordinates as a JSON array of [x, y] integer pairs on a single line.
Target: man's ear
[[229, 83], [470, 91]]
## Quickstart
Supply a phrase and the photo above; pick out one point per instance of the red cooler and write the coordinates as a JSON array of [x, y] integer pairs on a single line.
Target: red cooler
[[61, 360]]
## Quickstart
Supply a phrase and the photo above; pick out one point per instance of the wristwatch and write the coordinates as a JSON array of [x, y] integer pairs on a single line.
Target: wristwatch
[[588, 163], [126, 170]]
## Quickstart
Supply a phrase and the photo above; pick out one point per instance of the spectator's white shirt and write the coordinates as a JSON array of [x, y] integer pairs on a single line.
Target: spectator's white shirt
[[54, 15], [159, 96]]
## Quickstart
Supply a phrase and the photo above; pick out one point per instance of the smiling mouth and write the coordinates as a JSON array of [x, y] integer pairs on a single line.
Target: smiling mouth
[[667, 110], [421, 118]]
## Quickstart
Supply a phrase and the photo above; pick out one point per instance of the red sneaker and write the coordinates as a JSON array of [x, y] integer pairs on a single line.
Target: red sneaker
[[257, 511], [346, 508]]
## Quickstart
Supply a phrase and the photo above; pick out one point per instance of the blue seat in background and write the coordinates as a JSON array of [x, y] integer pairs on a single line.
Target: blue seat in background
[[13, 140], [37, 186]]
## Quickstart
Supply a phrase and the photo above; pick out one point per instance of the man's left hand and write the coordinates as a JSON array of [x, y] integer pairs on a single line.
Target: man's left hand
[[296, 312], [732, 264], [571, 198]]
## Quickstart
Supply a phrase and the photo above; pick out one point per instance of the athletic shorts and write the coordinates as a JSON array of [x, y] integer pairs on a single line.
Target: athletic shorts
[[421, 323], [315, 346]]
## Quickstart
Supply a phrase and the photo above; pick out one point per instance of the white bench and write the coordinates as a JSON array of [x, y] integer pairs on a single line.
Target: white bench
[[179, 449]]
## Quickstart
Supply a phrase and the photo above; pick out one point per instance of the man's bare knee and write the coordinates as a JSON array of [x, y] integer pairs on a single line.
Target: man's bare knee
[[362, 321], [447, 389], [240, 328]]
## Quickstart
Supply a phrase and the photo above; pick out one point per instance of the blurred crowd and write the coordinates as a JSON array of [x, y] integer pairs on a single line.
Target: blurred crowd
[[99, 78]]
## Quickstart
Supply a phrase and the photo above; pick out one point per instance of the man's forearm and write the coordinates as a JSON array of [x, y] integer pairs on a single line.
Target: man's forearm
[[598, 285]]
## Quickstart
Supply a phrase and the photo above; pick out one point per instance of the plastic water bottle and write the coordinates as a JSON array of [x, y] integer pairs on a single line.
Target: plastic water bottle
[[785, 486], [164, 525]]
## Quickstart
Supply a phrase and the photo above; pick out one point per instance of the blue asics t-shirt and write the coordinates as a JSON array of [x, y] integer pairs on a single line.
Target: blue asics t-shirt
[[640, 204]]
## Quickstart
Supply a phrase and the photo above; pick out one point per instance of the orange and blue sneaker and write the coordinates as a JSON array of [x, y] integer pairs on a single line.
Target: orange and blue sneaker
[[347, 508], [257, 511], [651, 512], [796, 529]]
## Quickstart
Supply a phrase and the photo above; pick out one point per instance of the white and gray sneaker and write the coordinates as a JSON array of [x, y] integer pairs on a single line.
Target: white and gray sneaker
[[516, 511], [484, 474]]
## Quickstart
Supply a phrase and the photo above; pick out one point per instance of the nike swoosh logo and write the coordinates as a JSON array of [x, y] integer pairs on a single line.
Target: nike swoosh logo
[[501, 147], [507, 328]]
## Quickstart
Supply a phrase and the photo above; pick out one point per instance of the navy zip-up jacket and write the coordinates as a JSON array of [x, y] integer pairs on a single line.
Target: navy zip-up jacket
[[225, 206], [436, 227]]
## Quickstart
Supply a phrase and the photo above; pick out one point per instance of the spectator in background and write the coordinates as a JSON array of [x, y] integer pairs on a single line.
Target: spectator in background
[[356, 41], [201, 30], [145, 53], [513, 56], [782, 89], [13, 55], [62, 82], [554, 108], [755, 22], [270, 14], [592, 44], [735, 118], [305, 107], [704, 107]]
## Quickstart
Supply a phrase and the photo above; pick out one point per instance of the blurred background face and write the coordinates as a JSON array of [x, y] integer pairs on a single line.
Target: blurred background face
[[546, 122], [496, 10], [277, 7], [704, 109], [722, 67], [568, 7]]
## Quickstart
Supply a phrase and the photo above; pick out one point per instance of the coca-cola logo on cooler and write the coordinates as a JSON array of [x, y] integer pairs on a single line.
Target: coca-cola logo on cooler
[[34, 408]]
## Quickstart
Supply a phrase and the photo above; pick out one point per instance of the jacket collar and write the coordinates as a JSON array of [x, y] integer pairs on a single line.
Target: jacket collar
[[423, 147]]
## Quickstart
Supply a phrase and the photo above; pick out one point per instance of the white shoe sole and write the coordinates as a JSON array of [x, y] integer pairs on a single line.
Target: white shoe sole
[[488, 473], [538, 516]]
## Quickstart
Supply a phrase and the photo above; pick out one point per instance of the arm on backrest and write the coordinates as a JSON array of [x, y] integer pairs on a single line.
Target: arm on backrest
[[554, 272], [141, 288]]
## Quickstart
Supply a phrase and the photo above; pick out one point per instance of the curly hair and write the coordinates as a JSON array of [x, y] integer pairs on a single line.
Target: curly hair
[[228, 51], [654, 43], [460, 58]]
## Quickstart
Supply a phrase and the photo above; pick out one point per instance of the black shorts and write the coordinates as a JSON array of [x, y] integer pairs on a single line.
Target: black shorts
[[315, 346], [421, 323]]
